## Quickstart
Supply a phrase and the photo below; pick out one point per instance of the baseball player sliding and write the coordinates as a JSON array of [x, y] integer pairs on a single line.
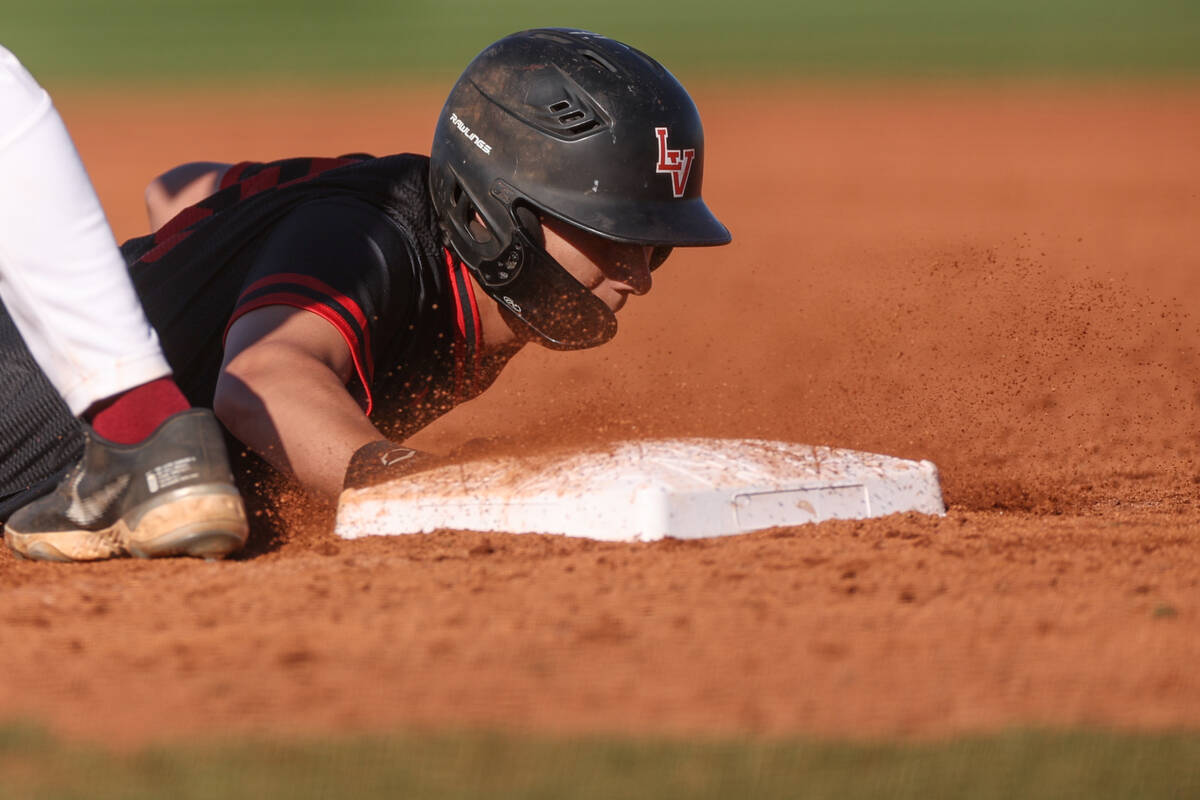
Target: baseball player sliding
[[328, 308], [141, 472]]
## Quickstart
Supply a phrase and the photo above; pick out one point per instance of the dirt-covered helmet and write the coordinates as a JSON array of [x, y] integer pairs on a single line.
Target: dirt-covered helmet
[[579, 127]]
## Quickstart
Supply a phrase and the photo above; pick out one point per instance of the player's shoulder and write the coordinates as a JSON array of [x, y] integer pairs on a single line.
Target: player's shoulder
[[341, 221], [340, 236], [334, 211]]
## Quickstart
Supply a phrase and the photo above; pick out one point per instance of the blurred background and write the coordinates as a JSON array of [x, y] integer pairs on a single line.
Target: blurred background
[[306, 40]]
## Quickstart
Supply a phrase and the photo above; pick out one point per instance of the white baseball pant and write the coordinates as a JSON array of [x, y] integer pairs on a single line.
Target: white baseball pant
[[62, 277]]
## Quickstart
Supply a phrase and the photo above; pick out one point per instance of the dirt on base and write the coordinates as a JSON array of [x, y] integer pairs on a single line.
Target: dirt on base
[[1000, 279]]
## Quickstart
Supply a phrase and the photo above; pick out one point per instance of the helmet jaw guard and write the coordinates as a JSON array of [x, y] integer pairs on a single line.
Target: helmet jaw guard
[[543, 295], [579, 127], [521, 275]]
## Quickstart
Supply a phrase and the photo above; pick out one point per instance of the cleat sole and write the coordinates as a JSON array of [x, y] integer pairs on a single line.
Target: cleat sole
[[66, 546], [209, 523], [209, 526]]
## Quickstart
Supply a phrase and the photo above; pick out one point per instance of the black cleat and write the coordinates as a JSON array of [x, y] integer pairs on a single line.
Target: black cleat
[[170, 495]]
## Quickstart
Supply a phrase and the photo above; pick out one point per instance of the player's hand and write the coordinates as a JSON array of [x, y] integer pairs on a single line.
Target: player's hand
[[380, 462]]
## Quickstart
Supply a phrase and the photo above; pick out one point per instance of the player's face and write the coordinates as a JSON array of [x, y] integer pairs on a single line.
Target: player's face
[[611, 270]]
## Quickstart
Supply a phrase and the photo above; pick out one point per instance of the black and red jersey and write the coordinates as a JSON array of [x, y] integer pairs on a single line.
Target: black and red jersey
[[353, 240]]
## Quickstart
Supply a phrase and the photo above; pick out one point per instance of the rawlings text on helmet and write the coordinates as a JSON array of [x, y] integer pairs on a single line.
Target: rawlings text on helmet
[[471, 137], [677, 163]]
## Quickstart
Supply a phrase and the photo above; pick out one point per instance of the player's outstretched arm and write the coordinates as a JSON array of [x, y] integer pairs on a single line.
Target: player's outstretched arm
[[180, 187], [282, 392]]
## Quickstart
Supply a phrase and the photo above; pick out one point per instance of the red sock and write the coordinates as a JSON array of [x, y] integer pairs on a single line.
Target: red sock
[[131, 416]]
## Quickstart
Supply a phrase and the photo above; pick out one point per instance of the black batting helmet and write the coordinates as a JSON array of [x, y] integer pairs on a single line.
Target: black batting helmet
[[579, 127]]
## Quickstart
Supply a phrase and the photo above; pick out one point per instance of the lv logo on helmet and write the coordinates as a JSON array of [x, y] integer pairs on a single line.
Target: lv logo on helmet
[[678, 163]]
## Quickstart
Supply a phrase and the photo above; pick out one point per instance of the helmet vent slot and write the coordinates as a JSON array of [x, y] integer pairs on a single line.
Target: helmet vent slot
[[550, 35], [593, 56], [578, 123], [558, 106], [572, 117]]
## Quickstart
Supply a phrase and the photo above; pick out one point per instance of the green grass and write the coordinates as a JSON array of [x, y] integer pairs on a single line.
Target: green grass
[[1029, 765], [414, 40]]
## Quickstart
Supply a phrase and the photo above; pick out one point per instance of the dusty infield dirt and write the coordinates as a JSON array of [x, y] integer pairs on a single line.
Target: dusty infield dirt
[[1000, 279]]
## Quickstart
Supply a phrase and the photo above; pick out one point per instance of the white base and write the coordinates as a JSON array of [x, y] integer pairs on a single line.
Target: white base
[[645, 490]]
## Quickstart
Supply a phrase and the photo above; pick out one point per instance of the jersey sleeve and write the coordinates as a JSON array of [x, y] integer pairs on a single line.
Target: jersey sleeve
[[345, 261]]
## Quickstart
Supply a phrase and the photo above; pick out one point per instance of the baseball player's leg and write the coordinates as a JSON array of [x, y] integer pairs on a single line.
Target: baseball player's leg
[[154, 477], [61, 274]]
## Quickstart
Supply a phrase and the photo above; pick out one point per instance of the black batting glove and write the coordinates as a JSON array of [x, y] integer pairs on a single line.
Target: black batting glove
[[380, 462]]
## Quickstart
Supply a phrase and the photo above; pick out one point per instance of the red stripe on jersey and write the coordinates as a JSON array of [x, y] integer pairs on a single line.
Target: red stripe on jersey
[[319, 165], [458, 309], [470, 334], [474, 309], [184, 219], [309, 282], [324, 312], [233, 174], [460, 366], [462, 284], [159, 250], [267, 179]]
